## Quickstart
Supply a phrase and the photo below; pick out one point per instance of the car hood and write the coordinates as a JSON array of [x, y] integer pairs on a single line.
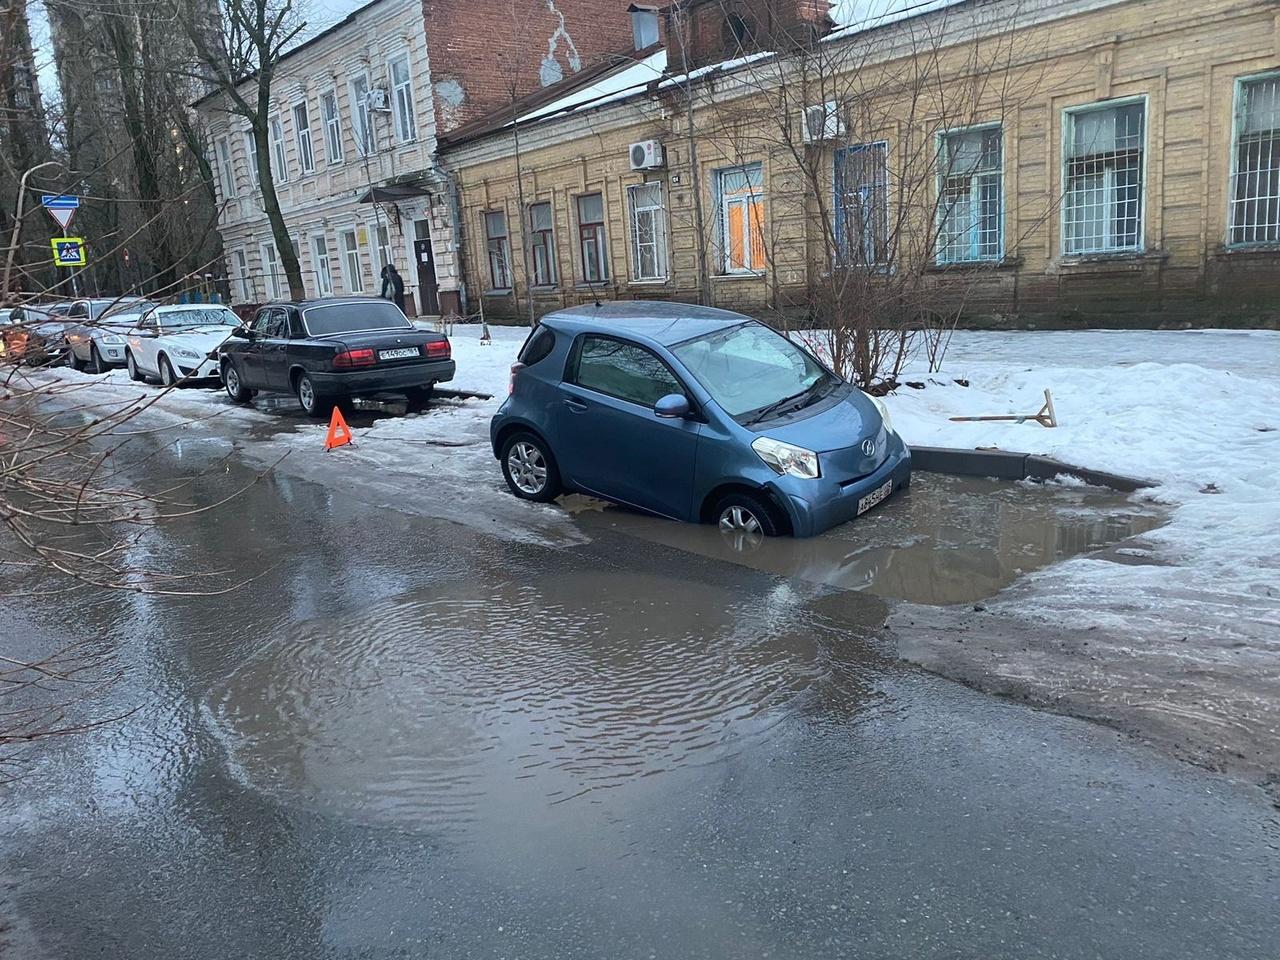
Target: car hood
[[835, 426], [202, 339]]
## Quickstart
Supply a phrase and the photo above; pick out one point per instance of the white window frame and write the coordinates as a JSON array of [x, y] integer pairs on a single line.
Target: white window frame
[[548, 241], [383, 253], [226, 171], [302, 138], [975, 254], [251, 162], [352, 265], [503, 252], [402, 106], [322, 265], [242, 275], [279, 157], [658, 218], [270, 268], [1068, 119], [332, 125], [1234, 176], [882, 243], [725, 202], [361, 115]]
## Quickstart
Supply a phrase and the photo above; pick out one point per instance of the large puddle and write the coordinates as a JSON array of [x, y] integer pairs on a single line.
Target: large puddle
[[946, 540]]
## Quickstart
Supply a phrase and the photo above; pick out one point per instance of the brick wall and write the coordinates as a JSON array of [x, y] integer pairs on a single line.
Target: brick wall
[[709, 37], [481, 49]]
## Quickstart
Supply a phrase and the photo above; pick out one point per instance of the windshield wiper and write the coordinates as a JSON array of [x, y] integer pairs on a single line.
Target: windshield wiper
[[777, 405]]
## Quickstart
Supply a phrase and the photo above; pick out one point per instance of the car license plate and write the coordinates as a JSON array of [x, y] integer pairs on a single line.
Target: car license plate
[[400, 353], [874, 497]]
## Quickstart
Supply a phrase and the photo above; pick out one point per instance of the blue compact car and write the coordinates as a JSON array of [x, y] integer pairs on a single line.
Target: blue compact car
[[696, 414]]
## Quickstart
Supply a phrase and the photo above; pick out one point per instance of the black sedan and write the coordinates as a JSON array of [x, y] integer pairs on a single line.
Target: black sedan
[[325, 350]]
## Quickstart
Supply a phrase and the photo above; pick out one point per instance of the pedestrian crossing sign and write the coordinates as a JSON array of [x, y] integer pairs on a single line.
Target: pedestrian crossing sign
[[69, 252]]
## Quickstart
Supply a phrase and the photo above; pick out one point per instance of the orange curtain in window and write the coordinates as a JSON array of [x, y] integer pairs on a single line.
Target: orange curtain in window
[[757, 235], [737, 234]]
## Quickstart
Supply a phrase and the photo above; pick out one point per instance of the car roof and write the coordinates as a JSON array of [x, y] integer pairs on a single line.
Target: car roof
[[661, 321], [175, 307], [324, 302]]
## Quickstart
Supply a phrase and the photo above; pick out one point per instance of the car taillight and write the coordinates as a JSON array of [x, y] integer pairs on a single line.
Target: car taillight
[[353, 358], [515, 368], [437, 349]]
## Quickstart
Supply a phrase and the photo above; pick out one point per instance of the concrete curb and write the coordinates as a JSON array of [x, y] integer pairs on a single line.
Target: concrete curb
[[1006, 465]]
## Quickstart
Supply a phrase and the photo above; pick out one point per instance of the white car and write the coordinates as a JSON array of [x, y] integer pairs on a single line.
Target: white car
[[173, 343]]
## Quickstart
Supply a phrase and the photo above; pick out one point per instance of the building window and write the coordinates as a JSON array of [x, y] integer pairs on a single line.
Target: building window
[[251, 151], [1255, 173], [971, 196], [542, 245], [862, 204], [352, 268], [226, 172], [495, 234], [1102, 177], [279, 161], [741, 208], [382, 246], [271, 269], [361, 126], [591, 238], [324, 272], [302, 138], [648, 231], [402, 100], [242, 276], [332, 126]]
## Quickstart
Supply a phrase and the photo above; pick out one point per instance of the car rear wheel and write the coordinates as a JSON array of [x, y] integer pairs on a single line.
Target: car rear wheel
[[530, 469], [76, 363], [745, 515], [95, 360], [312, 405], [420, 395], [167, 376], [235, 389], [131, 365]]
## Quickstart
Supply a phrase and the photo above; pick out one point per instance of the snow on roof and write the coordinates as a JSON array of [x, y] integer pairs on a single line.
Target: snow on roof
[[611, 87]]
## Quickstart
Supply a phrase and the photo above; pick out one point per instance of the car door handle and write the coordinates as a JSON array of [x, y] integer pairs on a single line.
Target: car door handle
[[576, 404]]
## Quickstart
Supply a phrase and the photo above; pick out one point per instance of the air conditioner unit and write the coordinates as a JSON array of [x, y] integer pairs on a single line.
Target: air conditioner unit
[[821, 122], [647, 155], [378, 99]]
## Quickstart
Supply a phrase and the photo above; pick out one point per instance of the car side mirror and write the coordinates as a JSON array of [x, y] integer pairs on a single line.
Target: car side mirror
[[673, 406]]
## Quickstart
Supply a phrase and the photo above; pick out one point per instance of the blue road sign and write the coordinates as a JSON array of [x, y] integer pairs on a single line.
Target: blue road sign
[[60, 202]]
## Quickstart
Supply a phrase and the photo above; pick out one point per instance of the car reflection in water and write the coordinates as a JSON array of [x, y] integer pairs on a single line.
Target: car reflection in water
[[947, 540]]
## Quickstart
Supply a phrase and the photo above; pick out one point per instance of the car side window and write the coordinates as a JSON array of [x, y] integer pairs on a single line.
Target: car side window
[[537, 347], [78, 311], [277, 327], [295, 326], [624, 370]]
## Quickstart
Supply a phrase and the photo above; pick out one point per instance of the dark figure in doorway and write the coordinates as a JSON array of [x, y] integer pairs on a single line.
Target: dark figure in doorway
[[393, 286]]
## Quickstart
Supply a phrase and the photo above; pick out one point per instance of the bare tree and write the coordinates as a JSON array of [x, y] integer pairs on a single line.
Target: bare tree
[[239, 43]]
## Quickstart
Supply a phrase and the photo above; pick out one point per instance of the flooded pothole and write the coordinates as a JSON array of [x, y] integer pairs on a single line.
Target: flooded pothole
[[946, 540], [468, 700]]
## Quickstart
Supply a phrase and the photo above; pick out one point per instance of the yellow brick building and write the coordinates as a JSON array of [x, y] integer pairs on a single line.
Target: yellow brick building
[[1067, 162]]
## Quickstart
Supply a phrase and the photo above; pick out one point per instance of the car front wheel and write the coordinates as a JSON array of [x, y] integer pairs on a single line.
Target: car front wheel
[[745, 515], [132, 366], [95, 360], [167, 376], [530, 469], [235, 389]]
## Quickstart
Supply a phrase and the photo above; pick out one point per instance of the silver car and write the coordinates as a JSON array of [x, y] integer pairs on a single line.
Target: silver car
[[98, 328]]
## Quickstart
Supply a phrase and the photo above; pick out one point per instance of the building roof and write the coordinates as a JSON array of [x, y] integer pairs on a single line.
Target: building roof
[[661, 321]]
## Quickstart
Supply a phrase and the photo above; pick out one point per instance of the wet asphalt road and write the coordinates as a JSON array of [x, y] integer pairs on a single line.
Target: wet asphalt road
[[407, 739]]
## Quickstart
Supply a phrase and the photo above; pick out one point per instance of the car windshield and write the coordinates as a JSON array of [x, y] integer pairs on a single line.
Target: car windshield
[[753, 372], [189, 319], [333, 318]]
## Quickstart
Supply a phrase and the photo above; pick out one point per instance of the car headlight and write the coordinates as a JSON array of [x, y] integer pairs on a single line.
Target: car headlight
[[884, 411], [785, 458], [112, 339], [185, 354]]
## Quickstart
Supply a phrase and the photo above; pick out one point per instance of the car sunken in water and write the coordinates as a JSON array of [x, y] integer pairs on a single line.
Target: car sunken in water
[[696, 414], [323, 351]]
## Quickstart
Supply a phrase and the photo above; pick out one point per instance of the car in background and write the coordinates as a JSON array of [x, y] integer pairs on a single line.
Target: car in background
[[326, 350], [36, 334], [695, 414], [178, 342], [98, 328]]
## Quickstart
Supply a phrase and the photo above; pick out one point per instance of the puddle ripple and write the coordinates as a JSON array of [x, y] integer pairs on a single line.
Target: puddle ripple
[[472, 700]]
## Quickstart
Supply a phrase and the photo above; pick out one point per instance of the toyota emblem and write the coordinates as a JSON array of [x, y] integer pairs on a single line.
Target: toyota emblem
[[869, 447]]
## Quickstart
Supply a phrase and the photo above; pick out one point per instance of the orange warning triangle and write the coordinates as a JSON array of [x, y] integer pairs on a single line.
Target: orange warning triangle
[[339, 432]]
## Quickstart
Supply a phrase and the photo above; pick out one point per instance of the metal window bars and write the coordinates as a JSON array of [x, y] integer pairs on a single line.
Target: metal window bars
[[1255, 177], [970, 211], [648, 231], [862, 204], [1102, 201]]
